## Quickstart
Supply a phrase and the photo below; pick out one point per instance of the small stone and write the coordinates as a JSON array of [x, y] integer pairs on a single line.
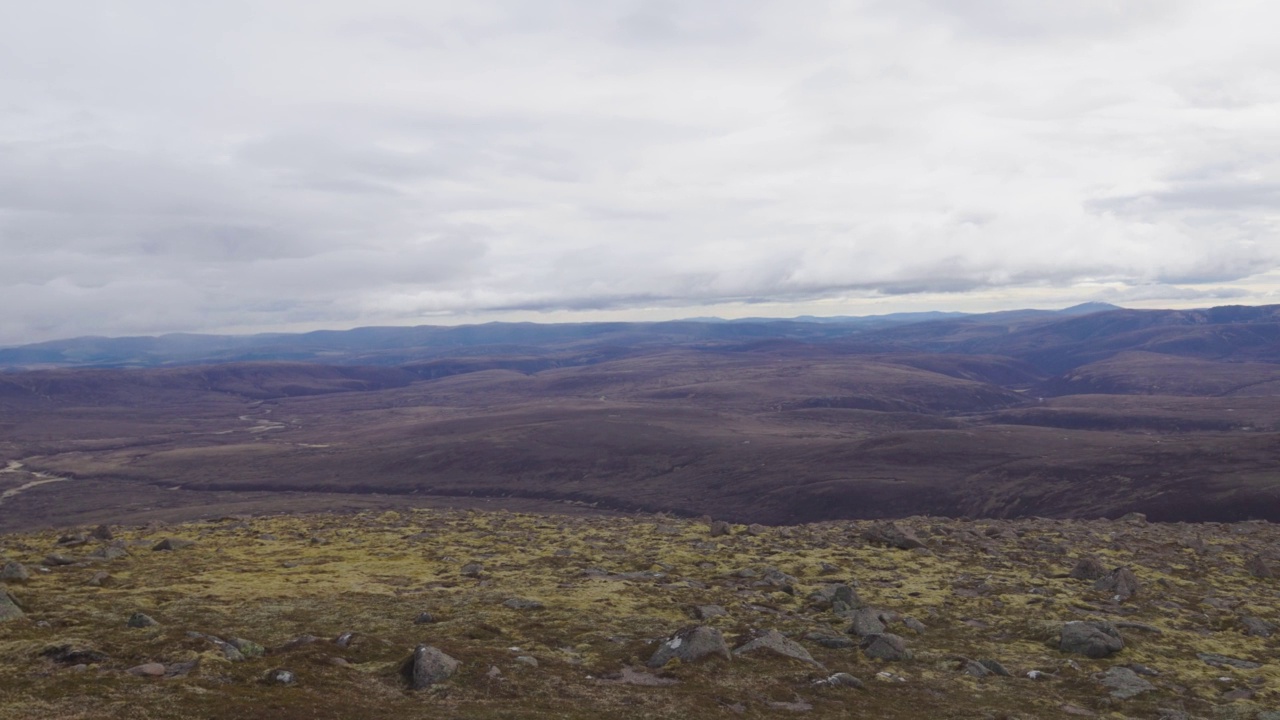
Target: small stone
[[9, 609], [844, 680], [474, 569], [1217, 660], [141, 620], [280, 676], [706, 612], [424, 618], [56, 560], [344, 640], [247, 648], [426, 667], [995, 666], [172, 544], [154, 670], [1088, 568], [914, 625], [756, 529], [522, 604], [1124, 683], [527, 660], [719, 527], [101, 578], [830, 640], [102, 532]]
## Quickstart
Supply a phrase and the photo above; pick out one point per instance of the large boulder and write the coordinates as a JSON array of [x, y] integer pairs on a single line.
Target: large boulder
[[426, 667], [1090, 638], [691, 645]]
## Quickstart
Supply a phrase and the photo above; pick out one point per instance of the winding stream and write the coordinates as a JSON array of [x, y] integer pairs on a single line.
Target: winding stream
[[40, 479]]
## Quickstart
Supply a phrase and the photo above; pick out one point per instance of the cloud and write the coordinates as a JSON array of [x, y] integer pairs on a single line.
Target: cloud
[[249, 166]]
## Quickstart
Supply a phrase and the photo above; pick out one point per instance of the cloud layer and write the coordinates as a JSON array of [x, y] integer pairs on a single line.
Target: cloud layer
[[263, 166]]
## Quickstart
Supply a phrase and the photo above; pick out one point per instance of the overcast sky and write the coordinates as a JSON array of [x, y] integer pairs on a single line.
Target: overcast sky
[[245, 166]]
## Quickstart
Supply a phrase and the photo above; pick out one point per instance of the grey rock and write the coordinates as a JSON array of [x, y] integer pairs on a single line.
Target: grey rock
[[280, 676], [689, 645], [424, 618], [838, 597], [73, 540], [830, 640], [1120, 582], [886, 646], [1260, 568], [1124, 683], [756, 529], [1217, 660], [1257, 627], [719, 527], [1091, 639], [141, 620], [778, 644], [102, 578], [1088, 568], [892, 535], [527, 660], [14, 572], [869, 621], [247, 648], [58, 560], [976, 669], [108, 553], [706, 612], [9, 609], [172, 544], [995, 666], [474, 569], [522, 604], [102, 532], [914, 625], [842, 680], [154, 670], [426, 667]]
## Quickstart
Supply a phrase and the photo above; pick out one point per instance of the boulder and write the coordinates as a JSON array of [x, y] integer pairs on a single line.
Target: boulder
[[426, 667], [869, 621], [886, 646], [1088, 568], [1260, 568], [9, 609], [172, 544], [706, 612], [719, 527], [14, 572], [153, 670], [892, 535], [838, 597], [689, 645], [1090, 638], [247, 648], [778, 644], [141, 620], [1124, 683], [1121, 583]]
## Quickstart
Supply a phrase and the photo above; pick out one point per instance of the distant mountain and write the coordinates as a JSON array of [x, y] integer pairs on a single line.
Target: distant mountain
[[572, 343]]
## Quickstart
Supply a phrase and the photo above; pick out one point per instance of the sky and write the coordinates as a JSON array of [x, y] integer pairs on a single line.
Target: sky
[[261, 166]]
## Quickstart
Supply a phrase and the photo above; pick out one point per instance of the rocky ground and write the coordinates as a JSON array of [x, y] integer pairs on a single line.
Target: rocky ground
[[437, 613]]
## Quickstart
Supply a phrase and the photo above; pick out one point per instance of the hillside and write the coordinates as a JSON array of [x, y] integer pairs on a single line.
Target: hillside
[[537, 615]]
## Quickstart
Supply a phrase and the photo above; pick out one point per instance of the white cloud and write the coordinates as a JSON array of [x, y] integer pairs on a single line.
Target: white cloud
[[241, 165]]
